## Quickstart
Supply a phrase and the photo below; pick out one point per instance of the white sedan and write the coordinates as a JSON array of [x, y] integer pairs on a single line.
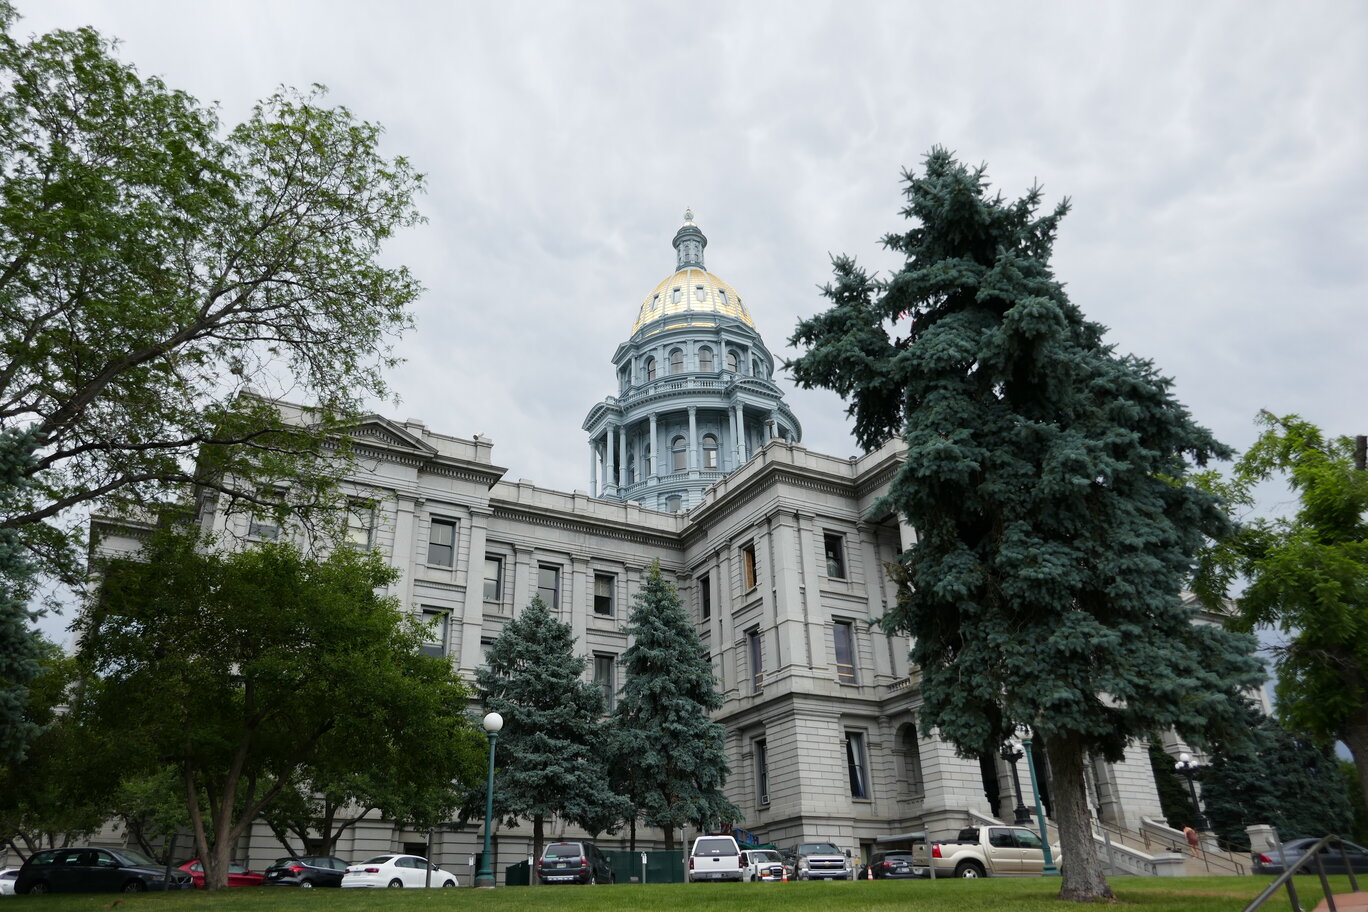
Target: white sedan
[[397, 871], [7, 877]]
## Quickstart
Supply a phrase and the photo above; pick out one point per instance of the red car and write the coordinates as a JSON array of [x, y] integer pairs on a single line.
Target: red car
[[238, 876]]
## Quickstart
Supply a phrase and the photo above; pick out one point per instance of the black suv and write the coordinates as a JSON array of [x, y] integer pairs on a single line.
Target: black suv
[[86, 869], [307, 872], [574, 862]]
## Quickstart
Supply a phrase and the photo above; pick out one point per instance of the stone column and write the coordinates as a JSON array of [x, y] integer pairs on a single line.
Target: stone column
[[871, 574], [593, 469], [405, 522], [574, 600], [740, 435], [788, 595], [693, 439], [609, 464], [524, 585], [472, 613], [655, 447], [622, 456]]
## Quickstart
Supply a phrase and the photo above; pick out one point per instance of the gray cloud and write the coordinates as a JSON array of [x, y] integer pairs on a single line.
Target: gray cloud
[[1214, 154]]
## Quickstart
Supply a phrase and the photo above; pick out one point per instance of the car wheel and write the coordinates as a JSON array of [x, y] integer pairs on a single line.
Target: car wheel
[[396, 883], [306, 884], [134, 886], [449, 883], [39, 888], [593, 880], [969, 869]]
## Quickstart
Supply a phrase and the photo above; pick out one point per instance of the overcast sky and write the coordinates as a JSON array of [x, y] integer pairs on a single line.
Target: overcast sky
[[1216, 155]]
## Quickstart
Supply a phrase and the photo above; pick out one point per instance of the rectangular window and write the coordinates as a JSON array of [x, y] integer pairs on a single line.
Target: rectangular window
[[748, 565], [755, 654], [845, 651], [603, 593], [548, 585], [361, 524], [435, 619], [761, 772], [835, 555], [858, 763], [705, 597], [261, 528], [442, 543], [493, 580], [605, 676]]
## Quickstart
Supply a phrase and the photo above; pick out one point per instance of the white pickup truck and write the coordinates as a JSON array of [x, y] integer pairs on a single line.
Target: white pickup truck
[[983, 852]]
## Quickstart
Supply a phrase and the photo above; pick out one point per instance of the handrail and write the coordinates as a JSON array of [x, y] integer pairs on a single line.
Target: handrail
[[1286, 877]]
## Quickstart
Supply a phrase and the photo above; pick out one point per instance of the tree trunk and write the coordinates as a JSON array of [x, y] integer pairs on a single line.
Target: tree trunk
[[1083, 880], [1354, 734], [669, 838], [537, 837], [631, 845]]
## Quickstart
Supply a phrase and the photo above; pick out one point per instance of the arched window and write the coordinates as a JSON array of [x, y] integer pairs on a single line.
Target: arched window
[[709, 451], [677, 361], [650, 369], [755, 368], [631, 469], [646, 456], [705, 359], [731, 362], [681, 454]]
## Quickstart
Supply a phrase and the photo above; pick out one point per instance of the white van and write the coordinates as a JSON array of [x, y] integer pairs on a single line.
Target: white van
[[714, 858]]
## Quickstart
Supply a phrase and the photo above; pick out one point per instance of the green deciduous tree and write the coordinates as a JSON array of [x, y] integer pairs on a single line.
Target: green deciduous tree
[[247, 671], [154, 268], [661, 729], [1274, 777], [1307, 576], [154, 265], [20, 649], [550, 754], [1045, 478]]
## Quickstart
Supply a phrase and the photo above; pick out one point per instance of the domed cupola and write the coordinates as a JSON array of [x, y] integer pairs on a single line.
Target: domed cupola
[[696, 396]]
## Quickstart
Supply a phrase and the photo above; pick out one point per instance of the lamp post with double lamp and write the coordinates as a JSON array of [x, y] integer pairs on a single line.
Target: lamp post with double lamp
[[1187, 767], [1011, 752], [1048, 869], [484, 877]]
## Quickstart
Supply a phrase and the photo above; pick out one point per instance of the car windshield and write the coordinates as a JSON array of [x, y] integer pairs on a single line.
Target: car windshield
[[378, 859], [764, 855], [818, 848], [898, 856], [131, 856], [562, 850]]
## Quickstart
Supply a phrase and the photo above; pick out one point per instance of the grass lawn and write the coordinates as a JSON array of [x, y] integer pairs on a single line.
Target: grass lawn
[[1151, 894]]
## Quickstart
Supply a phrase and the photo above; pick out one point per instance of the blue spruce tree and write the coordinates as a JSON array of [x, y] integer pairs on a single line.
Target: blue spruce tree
[[1045, 477], [662, 730], [551, 753]]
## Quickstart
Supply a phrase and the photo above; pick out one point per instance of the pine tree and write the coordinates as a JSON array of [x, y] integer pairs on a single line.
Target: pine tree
[[677, 755], [550, 754], [1045, 477]]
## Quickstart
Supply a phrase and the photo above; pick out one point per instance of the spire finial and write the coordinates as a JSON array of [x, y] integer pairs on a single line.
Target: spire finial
[[688, 216]]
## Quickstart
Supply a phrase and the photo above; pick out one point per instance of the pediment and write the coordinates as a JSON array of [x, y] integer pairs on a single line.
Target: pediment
[[377, 430]]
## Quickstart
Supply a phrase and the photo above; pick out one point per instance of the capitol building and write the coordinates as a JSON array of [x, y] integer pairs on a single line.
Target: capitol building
[[778, 552]]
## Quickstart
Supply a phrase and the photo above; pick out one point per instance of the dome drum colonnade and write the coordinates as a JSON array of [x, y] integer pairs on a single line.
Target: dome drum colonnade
[[695, 398]]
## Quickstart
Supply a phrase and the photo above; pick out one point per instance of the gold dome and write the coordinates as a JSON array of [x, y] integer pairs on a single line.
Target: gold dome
[[693, 295]]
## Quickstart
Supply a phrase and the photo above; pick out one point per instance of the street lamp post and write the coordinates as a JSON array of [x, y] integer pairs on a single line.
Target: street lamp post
[[484, 877], [1049, 869], [1011, 752], [1187, 767]]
